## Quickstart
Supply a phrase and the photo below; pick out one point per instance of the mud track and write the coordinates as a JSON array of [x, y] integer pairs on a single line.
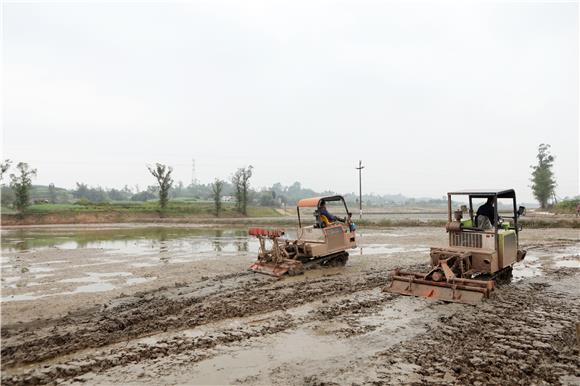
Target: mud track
[[525, 335], [184, 306], [329, 326]]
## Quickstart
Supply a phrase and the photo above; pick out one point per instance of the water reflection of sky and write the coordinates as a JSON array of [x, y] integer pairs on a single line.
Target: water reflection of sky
[[89, 282], [135, 241], [135, 247], [181, 243]]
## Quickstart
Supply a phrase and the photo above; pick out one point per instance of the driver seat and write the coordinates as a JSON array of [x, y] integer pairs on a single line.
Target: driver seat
[[318, 223]]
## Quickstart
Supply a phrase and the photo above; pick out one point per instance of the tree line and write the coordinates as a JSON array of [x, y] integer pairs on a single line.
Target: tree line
[[237, 187], [18, 192], [240, 181]]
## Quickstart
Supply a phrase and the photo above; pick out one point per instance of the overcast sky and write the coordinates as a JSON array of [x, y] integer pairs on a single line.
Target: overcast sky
[[431, 96]]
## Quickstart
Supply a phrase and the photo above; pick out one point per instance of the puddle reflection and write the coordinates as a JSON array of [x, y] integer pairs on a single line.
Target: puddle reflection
[[137, 241], [537, 260]]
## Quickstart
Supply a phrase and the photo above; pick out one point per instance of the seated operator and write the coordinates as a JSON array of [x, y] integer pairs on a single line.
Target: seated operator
[[325, 216], [485, 217]]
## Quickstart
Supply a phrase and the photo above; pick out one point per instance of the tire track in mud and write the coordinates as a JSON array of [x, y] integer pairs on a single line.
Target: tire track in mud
[[524, 335], [184, 306], [195, 348]]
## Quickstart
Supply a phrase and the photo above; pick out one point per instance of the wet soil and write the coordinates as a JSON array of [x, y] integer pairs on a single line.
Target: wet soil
[[201, 322]]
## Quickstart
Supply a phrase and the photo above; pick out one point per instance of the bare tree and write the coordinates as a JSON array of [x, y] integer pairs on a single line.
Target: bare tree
[[163, 175], [21, 185], [241, 182], [216, 189]]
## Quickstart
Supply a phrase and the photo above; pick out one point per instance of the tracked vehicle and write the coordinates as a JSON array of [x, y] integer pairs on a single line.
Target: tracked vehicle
[[480, 250], [323, 243]]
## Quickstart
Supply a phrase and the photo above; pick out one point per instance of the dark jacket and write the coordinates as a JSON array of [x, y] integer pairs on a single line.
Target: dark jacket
[[487, 211]]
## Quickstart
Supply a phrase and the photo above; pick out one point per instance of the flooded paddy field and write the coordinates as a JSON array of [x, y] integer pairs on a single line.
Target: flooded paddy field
[[175, 304]]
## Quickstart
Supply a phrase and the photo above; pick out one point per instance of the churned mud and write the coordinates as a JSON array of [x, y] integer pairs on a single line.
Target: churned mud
[[200, 318]]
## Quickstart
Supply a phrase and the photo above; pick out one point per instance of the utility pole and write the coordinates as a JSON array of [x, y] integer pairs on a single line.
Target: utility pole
[[192, 171], [360, 168]]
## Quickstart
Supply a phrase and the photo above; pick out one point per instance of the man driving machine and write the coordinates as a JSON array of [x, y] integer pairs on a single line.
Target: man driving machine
[[485, 217], [325, 215]]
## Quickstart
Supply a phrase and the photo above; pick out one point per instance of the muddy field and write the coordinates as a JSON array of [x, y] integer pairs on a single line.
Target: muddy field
[[174, 305]]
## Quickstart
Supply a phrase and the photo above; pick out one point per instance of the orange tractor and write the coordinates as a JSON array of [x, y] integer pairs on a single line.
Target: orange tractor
[[481, 249], [324, 243]]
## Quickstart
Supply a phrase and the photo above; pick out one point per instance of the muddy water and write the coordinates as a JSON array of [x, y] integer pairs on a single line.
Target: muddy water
[[541, 258], [44, 262], [41, 262], [137, 241], [101, 260], [53, 262], [313, 346], [187, 243]]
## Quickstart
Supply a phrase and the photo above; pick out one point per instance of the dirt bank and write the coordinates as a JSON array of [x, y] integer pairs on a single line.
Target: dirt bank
[[411, 219]]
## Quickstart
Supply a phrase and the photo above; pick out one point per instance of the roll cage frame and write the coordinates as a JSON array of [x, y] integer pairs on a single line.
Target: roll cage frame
[[315, 203], [495, 194]]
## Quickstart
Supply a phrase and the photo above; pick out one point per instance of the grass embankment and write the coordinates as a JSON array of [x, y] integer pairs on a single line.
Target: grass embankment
[[203, 212], [551, 223], [567, 206], [174, 208], [123, 212]]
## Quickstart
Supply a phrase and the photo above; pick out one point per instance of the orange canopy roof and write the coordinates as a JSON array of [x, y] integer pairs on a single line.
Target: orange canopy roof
[[313, 202], [309, 202]]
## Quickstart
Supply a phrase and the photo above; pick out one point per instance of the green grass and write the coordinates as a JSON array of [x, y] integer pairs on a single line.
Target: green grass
[[5, 210], [52, 208], [567, 206], [558, 223], [174, 208]]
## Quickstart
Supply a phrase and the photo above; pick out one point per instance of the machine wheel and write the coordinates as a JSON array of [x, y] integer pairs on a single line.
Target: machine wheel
[[339, 261]]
